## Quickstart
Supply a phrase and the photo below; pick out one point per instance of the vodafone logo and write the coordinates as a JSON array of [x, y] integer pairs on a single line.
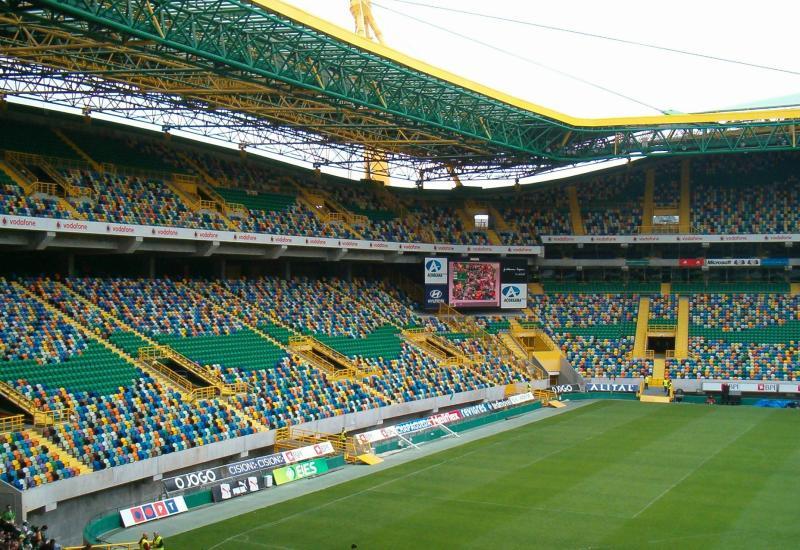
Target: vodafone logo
[[250, 238], [126, 229]]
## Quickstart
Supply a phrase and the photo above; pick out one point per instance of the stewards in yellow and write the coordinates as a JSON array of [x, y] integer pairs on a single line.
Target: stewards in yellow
[[144, 544], [158, 540]]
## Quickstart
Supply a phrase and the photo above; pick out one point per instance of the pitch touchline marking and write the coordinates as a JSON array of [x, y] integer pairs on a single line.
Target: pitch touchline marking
[[686, 476]]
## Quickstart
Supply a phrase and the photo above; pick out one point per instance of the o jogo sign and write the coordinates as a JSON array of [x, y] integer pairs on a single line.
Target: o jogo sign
[[210, 476]]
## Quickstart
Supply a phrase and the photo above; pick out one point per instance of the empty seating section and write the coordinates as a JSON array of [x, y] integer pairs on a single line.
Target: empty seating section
[[293, 392], [611, 206], [106, 147], [15, 202], [445, 225], [532, 214], [414, 375], [279, 214], [139, 421], [243, 350], [27, 461], [489, 364], [135, 200], [595, 331], [753, 194], [742, 336], [600, 287], [712, 287], [318, 307], [37, 140], [744, 312], [157, 307], [721, 359], [663, 309], [596, 356], [730, 194], [28, 332], [563, 311]]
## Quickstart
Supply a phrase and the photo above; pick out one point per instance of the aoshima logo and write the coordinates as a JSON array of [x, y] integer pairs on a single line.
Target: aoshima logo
[[511, 292], [433, 266]]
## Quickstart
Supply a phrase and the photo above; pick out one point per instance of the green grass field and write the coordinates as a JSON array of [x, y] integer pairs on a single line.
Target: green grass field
[[612, 474]]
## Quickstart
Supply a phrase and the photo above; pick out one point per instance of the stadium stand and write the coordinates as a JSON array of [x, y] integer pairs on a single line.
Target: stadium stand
[[742, 336]]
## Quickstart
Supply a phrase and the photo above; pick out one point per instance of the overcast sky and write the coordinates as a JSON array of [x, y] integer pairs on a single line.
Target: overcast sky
[[754, 32]]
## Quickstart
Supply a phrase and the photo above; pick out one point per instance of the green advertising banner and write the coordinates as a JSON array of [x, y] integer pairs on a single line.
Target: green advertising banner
[[299, 471]]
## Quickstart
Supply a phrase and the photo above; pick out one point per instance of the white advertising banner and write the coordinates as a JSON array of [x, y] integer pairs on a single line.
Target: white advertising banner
[[513, 296], [733, 262], [152, 511], [435, 271], [181, 233], [633, 239], [745, 387], [306, 453]]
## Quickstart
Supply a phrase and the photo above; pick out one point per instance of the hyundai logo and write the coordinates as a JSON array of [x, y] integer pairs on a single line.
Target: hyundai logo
[[433, 266], [511, 292], [435, 294]]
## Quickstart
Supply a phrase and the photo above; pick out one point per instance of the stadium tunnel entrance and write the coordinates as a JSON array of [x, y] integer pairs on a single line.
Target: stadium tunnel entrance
[[661, 344]]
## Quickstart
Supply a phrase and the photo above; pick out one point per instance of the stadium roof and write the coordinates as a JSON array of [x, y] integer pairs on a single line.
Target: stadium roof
[[266, 74]]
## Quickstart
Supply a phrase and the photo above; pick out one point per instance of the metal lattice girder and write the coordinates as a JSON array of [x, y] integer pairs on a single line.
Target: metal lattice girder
[[270, 65]]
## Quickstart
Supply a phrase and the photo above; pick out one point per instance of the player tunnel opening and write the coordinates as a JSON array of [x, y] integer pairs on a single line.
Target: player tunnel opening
[[661, 344]]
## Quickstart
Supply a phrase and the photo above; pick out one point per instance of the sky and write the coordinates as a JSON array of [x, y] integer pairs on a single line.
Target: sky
[[758, 33]]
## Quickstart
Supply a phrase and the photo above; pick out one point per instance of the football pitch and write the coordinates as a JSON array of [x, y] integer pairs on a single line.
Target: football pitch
[[611, 474]]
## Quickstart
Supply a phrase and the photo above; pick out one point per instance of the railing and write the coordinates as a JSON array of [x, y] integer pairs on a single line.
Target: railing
[[661, 328], [359, 220], [12, 423], [185, 179], [49, 418], [236, 208], [46, 188], [13, 395], [204, 393], [207, 205], [80, 191], [167, 373]]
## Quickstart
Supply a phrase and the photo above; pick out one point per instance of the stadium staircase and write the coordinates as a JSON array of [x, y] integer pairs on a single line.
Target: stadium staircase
[[321, 205], [57, 187], [682, 330], [685, 207], [538, 345], [209, 385], [575, 211], [30, 410], [334, 364], [642, 321], [500, 222], [445, 353], [495, 344], [467, 217], [648, 201], [172, 379], [96, 166]]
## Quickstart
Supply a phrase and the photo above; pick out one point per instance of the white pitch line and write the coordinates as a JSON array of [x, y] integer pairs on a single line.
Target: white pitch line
[[688, 474]]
